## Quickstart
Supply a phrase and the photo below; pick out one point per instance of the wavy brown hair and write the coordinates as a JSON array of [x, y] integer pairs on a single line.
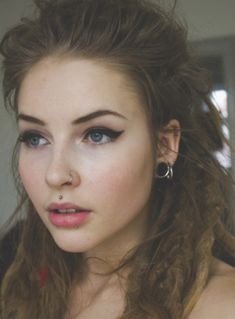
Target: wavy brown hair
[[190, 215]]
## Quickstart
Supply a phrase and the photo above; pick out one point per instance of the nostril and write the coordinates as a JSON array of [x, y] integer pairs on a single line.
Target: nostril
[[57, 177], [71, 178]]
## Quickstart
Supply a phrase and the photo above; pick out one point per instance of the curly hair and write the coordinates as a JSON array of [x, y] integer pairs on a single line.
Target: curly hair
[[190, 216]]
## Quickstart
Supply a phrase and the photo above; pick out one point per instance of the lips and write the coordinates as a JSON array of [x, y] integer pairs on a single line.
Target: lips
[[67, 215], [65, 208], [67, 211]]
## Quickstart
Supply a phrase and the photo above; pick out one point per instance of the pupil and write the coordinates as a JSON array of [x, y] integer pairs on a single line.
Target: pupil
[[34, 140], [96, 137]]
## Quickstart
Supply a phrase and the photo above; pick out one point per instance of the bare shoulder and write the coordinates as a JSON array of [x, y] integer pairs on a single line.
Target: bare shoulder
[[218, 299]]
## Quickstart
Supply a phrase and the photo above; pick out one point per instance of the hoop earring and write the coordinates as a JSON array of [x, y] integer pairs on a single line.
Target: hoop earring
[[164, 170]]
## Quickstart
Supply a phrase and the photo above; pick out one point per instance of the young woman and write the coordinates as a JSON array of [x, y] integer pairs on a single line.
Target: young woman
[[126, 209]]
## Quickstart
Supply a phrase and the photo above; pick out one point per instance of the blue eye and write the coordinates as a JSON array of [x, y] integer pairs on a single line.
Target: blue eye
[[96, 137], [101, 135], [32, 140]]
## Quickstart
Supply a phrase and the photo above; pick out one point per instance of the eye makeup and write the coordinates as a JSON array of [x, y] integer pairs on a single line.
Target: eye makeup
[[93, 135], [101, 135], [32, 139]]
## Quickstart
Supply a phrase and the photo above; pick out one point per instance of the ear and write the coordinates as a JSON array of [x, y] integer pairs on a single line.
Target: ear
[[168, 142]]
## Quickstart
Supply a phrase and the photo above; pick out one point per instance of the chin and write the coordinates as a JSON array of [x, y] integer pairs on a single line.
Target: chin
[[70, 242]]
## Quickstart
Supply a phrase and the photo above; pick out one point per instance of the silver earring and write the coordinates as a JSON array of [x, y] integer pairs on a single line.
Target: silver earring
[[164, 170]]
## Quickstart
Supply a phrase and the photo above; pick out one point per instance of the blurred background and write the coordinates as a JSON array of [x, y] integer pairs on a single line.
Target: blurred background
[[211, 25]]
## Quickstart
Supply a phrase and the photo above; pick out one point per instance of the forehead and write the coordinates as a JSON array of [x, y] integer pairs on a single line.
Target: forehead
[[83, 83]]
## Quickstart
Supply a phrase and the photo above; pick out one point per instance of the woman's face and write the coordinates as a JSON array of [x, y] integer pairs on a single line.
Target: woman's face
[[80, 118]]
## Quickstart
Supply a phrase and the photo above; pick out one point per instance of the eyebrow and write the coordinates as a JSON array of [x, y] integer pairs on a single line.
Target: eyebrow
[[83, 119]]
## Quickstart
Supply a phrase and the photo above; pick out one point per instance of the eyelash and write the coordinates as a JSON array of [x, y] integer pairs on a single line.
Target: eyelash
[[26, 137], [113, 135]]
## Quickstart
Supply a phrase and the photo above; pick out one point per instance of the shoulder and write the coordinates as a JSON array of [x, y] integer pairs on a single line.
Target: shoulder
[[218, 299]]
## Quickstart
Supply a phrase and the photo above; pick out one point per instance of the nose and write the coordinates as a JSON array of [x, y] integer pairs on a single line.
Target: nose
[[60, 173]]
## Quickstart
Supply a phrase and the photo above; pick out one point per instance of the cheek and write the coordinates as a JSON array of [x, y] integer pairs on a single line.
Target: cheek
[[125, 183], [30, 174]]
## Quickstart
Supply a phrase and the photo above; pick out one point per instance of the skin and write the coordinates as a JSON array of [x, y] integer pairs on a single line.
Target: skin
[[218, 298], [111, 178]]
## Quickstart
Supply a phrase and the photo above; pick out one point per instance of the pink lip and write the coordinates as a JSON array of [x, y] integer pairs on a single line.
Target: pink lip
[[67, 220]]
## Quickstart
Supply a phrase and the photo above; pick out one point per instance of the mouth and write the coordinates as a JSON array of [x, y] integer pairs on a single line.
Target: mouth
[[67, 215], [67, 211], [65, 208]]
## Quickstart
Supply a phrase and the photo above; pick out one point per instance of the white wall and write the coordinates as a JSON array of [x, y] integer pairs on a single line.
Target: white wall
[[206, 19], [10, 12], [209, 18]]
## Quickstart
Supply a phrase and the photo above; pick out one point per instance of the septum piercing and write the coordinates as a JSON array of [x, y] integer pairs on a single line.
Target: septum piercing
[[60, 197]]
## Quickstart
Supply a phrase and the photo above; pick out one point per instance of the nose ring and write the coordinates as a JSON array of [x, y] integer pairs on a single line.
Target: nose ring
[[71, 177], [70, 181]]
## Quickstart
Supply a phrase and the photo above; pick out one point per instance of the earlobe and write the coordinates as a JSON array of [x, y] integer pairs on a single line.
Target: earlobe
[[168, 142]]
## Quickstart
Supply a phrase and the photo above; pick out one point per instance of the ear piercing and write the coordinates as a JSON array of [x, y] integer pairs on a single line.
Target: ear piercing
[[164, 170]]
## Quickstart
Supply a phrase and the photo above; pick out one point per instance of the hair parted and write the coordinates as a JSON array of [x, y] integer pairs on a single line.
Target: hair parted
[[190, 215]]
